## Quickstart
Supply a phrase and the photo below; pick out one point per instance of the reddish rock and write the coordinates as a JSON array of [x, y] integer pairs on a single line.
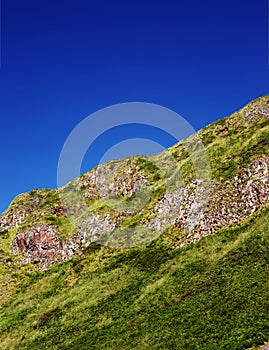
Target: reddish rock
[[39, 244], [58, 211]]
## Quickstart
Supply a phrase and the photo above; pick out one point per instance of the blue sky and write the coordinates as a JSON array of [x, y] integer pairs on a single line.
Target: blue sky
[[62, 60]]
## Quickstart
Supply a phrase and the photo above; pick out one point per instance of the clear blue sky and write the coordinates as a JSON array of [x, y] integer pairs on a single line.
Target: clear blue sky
[[62, 60]]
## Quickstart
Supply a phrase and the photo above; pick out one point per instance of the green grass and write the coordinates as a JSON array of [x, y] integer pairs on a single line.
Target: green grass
[[208, 295], [228, 156], [228, 152]]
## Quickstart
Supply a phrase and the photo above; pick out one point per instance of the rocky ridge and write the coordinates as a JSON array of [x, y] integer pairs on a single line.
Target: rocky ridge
[[38, 223]]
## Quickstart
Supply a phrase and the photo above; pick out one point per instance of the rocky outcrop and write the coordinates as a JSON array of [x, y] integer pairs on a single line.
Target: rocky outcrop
[[43, 246], [135, 192], [58, 211], [113, 179], [178, 207], [16, 216], [234, 201], [255, 113], [39, 244], [185, 208], [94, 227], [228, 204], [237, 199], [22, 207]]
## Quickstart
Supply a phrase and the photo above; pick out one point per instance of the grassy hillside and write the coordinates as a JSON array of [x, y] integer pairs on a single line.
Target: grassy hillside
[[208, 295], [166, 294]]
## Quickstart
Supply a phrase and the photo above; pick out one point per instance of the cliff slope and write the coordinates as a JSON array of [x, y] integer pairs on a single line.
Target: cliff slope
[[196, 277]]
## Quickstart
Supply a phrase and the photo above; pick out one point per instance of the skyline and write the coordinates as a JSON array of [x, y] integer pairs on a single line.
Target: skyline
[[61, 62]]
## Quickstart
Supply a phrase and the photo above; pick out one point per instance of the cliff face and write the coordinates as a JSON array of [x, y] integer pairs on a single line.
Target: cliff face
[[229, 203], [38, 224]]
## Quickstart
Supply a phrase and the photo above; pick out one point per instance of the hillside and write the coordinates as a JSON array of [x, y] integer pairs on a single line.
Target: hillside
[[161, 252]]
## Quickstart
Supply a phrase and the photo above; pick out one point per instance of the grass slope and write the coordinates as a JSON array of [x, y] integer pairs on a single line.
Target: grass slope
[[209, 295]]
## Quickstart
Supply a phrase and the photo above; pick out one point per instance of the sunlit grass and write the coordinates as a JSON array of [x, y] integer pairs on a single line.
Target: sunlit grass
[[151, 297]]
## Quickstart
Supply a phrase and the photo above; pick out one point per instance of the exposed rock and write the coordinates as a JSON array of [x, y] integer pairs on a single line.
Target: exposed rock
[[185, 207], [40, 244], [237, 199], [129, 182], [228, 204], [178, 207], [113, 179], [94, 227], [43, 246], [58, 211], [100, 201], [15, 217], [256, 113]]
